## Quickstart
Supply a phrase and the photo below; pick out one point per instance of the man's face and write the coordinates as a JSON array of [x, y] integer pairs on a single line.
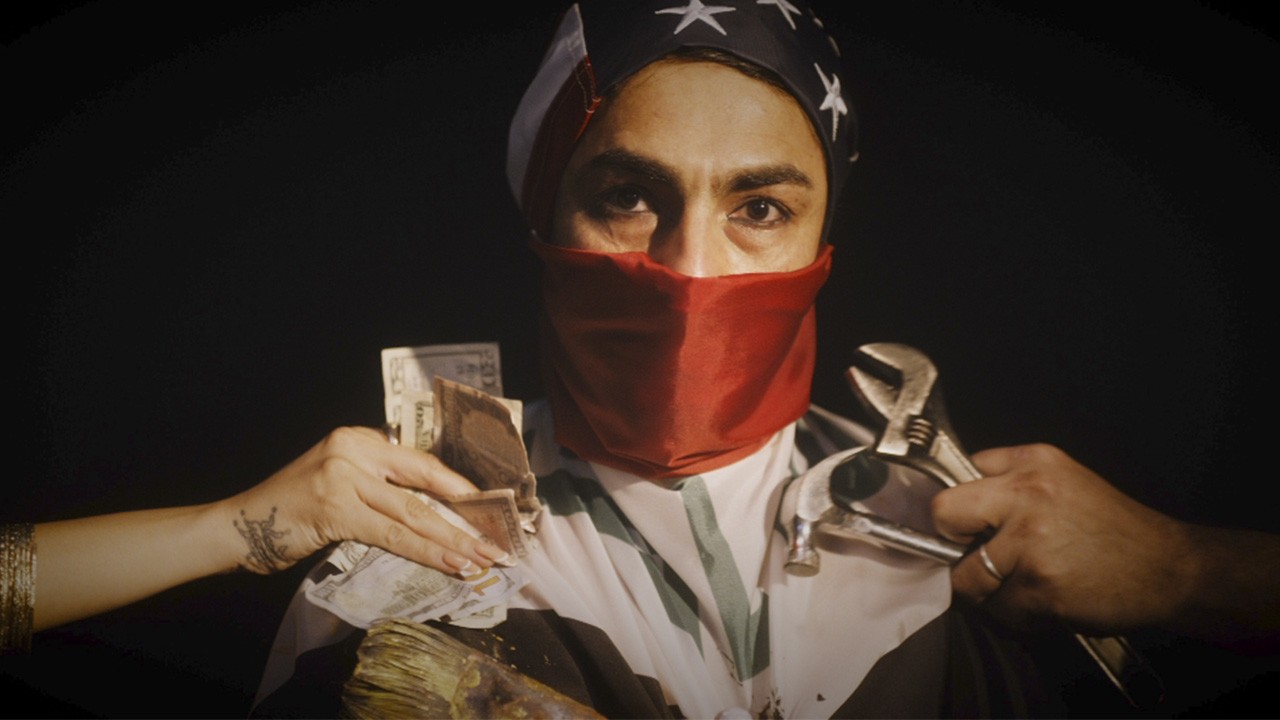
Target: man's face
[[707, 170]]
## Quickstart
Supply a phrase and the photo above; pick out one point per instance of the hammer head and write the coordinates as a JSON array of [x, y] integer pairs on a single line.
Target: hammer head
[[806, 503]]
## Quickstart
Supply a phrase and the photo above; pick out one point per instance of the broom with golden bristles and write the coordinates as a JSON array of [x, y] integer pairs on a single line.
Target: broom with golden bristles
[[410, 670]]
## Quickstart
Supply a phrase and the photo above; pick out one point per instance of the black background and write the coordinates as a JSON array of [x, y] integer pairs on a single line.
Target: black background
[[217, 214]]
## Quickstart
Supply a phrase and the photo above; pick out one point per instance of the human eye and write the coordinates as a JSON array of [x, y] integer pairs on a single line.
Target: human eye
[[761, 212], [623, 200]]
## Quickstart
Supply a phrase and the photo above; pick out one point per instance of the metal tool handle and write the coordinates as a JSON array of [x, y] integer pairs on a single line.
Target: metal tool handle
[[1126, 668], [952, 460], [883, 533]]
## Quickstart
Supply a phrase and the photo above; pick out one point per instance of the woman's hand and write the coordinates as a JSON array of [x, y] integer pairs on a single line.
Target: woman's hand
[[345, 488]]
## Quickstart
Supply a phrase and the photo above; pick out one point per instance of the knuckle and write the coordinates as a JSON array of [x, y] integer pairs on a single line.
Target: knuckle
[[341, 439], [460, 539], [1036, 531], [1033, 485], [334, 471], [1044, 453], [1032, 525], [395, 534], [941, 506], [416, 510], [435, 558]]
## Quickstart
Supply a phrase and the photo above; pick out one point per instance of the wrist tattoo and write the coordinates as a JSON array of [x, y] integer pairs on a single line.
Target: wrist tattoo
[[265, 555]]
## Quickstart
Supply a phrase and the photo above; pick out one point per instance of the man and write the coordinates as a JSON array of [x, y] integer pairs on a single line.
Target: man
[[677, 164]]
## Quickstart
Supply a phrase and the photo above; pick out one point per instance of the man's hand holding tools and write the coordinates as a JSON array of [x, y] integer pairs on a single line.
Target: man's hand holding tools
[[1034, 536]]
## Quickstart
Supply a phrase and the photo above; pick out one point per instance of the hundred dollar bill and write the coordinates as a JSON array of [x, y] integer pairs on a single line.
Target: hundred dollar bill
[[477, 435], [407, 369], [381, 584], [482, 620], [418, 420]]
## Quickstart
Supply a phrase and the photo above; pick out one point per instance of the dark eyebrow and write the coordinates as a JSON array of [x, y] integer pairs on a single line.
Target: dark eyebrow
[[758, 177], [618, 159]]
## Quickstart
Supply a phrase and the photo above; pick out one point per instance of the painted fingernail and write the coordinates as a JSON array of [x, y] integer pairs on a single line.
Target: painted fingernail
[[460, 564], [496, 554]]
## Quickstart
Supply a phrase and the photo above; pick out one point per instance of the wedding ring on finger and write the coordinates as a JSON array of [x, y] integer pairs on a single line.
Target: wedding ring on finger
[[990, 566], [392, 432]]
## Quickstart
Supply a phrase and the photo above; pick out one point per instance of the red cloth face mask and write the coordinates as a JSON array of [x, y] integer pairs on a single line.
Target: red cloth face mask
[[665, 375]]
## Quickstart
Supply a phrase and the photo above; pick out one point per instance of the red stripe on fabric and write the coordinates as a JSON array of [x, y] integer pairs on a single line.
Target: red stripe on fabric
[[566, 119]]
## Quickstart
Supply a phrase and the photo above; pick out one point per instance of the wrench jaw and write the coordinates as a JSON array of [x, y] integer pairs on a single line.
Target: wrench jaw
[[898, 385], [895, 382]]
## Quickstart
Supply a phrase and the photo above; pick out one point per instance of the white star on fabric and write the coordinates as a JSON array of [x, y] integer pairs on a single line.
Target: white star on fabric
[[695, 10], [785, 7], [834, 101]]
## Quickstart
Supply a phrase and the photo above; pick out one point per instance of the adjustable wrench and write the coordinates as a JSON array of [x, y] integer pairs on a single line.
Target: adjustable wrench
[[898, 384]]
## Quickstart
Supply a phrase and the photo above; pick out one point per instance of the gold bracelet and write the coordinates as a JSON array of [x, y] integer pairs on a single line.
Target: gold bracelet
[[17, 587]]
